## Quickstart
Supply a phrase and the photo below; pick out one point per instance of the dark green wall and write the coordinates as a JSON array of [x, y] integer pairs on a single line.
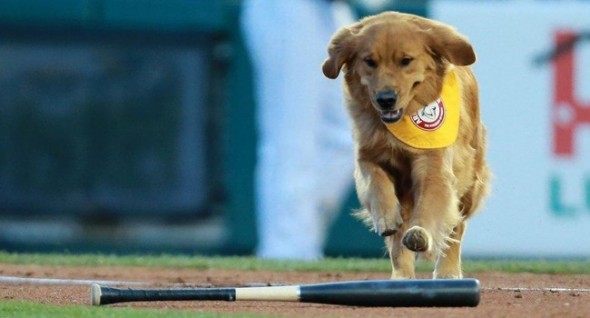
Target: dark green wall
[[215, 25]]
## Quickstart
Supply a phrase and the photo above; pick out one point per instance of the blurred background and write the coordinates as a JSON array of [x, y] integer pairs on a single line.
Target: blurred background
[[128, 126]]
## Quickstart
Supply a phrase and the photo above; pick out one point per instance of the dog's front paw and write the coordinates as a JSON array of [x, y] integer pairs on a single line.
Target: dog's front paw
[[387, 224], [417, 239]]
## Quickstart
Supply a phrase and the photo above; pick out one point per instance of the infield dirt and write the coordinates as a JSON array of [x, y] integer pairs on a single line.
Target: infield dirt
[[495, 301]]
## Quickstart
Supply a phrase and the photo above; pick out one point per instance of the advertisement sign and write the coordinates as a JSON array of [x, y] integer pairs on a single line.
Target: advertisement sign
[[534, 74]]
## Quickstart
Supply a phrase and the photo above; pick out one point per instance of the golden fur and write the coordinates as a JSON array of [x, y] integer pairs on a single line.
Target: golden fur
[[419, 200]]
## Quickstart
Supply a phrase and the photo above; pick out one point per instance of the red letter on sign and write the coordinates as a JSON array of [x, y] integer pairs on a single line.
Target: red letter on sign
[[568, 112]]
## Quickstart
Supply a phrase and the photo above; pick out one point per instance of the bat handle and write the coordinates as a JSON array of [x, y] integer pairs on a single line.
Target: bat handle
[[101, 295]]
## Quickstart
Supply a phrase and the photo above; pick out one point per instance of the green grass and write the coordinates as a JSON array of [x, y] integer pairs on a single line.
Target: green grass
[[12, 308], [24, 309], [357, 265], [198, 262]]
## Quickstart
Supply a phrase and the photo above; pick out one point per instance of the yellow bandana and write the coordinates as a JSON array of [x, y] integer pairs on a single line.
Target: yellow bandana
[[436, 125]]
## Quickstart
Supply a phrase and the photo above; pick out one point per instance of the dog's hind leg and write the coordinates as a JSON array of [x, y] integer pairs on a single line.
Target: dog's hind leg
[[402, 259], [448, 264]]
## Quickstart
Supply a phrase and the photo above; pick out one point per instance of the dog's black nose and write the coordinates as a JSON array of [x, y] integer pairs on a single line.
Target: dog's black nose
[[386, 99]]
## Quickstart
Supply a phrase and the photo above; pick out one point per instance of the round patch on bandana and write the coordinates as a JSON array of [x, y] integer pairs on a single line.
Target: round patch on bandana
[[431, 116]]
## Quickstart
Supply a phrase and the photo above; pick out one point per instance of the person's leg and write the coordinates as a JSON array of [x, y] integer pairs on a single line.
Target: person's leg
[[336, 150], [282, 37]]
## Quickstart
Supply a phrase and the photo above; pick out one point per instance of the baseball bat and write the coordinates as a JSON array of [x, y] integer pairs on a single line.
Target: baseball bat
[[378, 293]]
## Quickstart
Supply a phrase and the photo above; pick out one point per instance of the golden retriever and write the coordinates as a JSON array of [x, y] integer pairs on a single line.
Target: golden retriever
[[418, 195]]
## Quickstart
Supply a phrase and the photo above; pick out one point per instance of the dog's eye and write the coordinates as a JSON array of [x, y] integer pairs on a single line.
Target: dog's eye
[[406, 61], [370, 62]]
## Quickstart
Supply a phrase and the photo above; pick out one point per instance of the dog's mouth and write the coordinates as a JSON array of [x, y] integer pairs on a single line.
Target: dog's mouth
[[392, 116]]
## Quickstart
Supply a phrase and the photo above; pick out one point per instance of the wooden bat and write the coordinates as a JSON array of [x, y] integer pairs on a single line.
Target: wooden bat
[[384, 293]]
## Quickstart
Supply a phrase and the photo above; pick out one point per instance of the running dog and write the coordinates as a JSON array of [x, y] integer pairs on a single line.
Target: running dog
[[420, 168]]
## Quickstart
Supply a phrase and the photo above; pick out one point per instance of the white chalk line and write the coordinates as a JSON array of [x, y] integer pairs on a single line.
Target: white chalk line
[[60, 281], [538, 289], [88, 282]]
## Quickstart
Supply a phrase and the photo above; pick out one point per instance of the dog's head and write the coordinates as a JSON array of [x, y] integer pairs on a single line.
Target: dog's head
[[400, 59]]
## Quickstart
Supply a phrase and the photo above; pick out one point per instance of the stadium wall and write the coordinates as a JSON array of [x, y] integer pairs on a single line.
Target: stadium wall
[[534, 73]]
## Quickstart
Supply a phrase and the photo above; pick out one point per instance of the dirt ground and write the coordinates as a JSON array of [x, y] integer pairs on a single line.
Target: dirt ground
[[496, 301]]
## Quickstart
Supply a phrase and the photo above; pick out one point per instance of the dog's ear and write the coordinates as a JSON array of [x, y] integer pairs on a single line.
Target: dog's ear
[[445, 41], [340, 50]]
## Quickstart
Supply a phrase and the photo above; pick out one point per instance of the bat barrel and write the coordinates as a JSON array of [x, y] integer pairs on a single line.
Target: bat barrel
[[396, 293]]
